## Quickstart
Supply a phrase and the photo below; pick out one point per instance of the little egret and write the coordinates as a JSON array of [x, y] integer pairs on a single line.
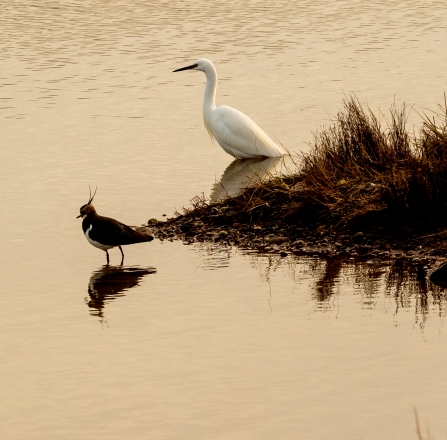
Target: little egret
[[235, 132]]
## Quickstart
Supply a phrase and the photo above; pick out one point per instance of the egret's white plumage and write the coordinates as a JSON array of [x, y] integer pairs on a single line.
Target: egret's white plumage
[[235, 132]]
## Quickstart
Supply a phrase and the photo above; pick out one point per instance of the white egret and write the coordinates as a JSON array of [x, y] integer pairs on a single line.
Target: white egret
[[235, 132]]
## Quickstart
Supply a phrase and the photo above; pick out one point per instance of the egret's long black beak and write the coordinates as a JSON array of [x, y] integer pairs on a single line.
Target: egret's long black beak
[[192, 66]]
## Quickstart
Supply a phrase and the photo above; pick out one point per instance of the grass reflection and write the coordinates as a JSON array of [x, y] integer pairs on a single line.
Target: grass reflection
[[402, 280], [403, 283]]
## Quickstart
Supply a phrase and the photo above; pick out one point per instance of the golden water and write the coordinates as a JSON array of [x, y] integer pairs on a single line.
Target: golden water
[[204, 342]]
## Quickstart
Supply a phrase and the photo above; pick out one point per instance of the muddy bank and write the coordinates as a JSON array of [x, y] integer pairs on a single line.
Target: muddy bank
[[218, 223]]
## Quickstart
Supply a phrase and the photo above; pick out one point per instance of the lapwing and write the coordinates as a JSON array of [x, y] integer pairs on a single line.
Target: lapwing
[[106, 233]]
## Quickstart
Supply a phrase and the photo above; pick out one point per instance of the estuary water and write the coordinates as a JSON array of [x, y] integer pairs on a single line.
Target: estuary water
[[201, 341]]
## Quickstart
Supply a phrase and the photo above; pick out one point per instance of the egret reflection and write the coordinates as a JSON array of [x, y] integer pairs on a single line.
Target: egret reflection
[[111, 282], [242, 173]]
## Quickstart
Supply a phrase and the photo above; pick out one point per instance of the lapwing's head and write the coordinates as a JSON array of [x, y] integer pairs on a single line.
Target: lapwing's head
[[88, 208]]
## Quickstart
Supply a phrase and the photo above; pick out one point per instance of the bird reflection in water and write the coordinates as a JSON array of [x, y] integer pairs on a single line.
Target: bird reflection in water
[[111, 282], [242, 173]]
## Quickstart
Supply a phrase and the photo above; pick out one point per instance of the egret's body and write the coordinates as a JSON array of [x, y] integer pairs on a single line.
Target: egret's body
[[234, 131]]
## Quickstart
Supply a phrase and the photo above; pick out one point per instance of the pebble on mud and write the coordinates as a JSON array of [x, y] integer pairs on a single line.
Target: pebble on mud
[[277, 240]]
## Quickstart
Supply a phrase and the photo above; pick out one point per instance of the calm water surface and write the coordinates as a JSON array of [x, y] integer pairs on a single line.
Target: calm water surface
[[200, 342]]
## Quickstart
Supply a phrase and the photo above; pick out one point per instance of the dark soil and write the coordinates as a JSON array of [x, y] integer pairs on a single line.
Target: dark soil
[[220, 223]]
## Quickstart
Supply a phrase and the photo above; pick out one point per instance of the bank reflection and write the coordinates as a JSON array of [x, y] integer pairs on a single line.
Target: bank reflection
[[402, 281], [111, 282], [242, 173], [391, 285]]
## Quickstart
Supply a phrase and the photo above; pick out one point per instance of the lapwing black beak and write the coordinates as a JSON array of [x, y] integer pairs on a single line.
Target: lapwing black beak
[[80, 215], [192, 66]]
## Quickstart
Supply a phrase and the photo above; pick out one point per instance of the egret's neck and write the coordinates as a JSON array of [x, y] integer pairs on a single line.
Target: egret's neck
[[209, 100]]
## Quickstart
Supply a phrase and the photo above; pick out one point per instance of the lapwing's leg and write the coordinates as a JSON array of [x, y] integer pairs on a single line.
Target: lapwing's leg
[[122, 253], [107, 254]]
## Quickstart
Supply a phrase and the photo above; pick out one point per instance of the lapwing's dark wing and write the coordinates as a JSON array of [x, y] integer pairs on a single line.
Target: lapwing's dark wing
[[111, 232]]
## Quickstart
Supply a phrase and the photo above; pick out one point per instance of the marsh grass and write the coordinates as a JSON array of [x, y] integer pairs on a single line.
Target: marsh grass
[[363, 165]]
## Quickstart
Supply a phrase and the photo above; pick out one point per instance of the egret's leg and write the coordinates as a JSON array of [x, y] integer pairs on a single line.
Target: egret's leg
[[122, 253], [107, 255]]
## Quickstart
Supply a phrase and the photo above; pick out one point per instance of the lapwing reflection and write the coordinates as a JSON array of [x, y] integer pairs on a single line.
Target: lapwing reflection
[[242, 173], [111, 282]]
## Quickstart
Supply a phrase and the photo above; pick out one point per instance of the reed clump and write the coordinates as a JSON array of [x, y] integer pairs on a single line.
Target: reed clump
[[365, 169], [374, 172]]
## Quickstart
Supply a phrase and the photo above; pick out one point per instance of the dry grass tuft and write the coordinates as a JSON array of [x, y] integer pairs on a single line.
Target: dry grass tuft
[[359, 166]]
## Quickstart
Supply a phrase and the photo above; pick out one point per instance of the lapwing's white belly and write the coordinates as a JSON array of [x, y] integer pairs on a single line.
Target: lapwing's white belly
[[95, 243]]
